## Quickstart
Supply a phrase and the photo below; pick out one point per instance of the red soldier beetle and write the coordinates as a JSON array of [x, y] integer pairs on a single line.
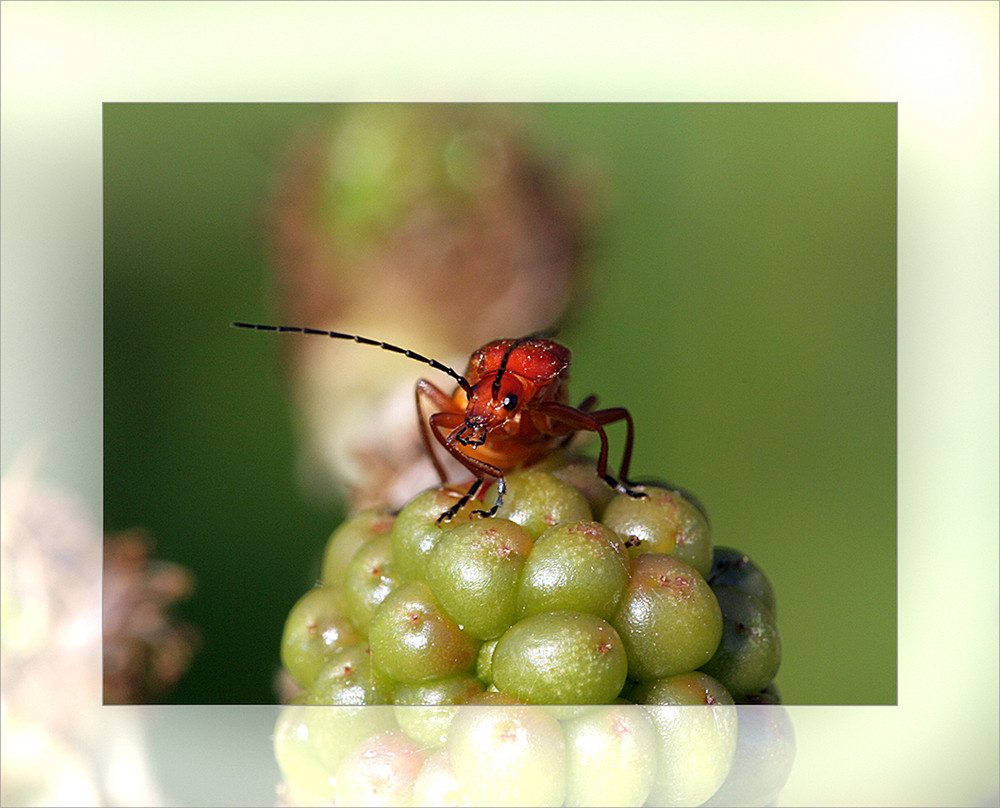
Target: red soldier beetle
[[510, 409]]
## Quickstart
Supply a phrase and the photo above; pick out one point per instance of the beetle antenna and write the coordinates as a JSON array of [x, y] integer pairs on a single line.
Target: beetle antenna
[[289, 329]]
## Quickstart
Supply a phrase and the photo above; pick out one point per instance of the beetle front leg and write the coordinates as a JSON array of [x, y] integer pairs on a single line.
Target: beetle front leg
[[480, 468], [448, 514], [501, 490], [473, 489]]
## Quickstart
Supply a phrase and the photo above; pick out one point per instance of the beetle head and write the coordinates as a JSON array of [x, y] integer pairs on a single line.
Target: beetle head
[[490, 406]]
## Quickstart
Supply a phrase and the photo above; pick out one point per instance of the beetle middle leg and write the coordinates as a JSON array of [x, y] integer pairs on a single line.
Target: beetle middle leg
[[579, 418], [585, 406], [444, 404]]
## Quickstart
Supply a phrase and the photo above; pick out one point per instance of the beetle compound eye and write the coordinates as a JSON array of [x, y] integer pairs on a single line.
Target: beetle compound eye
[[510, 401]]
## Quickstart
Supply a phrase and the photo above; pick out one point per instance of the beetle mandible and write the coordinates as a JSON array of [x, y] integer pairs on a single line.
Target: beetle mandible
[[511, 408]]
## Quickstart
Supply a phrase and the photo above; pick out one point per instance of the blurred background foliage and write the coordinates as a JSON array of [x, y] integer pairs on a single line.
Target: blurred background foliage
[[739, 299]]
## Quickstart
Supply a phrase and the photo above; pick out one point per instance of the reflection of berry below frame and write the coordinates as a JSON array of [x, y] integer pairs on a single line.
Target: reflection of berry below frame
[[618, 754]]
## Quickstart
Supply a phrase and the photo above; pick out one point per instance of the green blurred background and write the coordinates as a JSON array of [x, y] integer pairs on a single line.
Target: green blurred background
[[741, 305]]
